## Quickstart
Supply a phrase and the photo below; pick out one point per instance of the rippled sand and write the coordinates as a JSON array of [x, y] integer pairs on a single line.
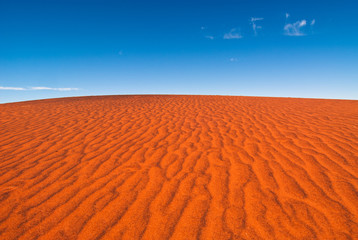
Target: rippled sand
[[179, 167]]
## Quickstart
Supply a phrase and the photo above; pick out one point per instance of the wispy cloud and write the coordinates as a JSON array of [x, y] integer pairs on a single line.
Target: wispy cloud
[[295, 29], [54, 89], [287, 15], [313, 22], [208, 35], [253, 21], [233, 34], [12, 88], [37, 88], [233, 59]]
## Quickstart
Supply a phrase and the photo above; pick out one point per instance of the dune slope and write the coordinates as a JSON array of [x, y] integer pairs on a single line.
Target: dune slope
[[179, 167]]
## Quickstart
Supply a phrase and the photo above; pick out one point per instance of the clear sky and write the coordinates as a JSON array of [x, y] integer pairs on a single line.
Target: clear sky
[[58, 48]]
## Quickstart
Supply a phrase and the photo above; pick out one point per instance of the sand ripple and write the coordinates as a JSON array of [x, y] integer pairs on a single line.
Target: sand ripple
[[179, 167]]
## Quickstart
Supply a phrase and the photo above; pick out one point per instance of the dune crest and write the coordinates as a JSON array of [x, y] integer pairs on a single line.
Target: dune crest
[[179, 167]]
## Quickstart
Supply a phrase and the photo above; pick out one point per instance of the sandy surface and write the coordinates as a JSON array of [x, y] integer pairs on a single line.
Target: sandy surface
[[179, 167]]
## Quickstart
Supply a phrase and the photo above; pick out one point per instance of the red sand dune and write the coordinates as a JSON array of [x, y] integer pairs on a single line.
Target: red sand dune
[[179, 167]]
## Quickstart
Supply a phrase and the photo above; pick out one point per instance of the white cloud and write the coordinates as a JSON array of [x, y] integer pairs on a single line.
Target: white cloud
[[233, 59], [12, 88], [66, 89], [209, 37], [256, 19], [254, 25], [313, 22], [287, 15], [233, 34], [54, 89], [302, 23], [295, 29], [40, 88], [37, 88]]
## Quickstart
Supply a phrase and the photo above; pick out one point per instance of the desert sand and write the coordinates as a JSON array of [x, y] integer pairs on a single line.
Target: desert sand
[[179, 167]]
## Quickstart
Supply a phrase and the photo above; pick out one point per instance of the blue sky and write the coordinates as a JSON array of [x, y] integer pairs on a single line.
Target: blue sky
[[66, 48]]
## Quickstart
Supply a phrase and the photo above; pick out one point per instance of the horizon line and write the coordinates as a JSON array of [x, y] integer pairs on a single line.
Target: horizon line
[[169, 94]]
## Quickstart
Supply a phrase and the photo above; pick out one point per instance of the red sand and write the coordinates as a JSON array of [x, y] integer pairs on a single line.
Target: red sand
[[179, 167]]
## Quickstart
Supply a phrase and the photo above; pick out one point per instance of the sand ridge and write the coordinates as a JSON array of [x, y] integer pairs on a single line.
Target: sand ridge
[[179, 167]]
